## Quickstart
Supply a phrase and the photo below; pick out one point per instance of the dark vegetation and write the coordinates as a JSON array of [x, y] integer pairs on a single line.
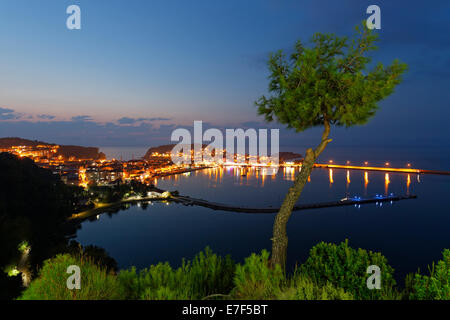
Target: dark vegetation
[[208, 276], [34, 207], [108, 194]]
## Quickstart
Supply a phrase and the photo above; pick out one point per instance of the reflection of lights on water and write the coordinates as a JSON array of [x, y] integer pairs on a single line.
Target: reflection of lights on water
[[408, 183], [98, 217], [288, 173], [366, 181], [386, 182]]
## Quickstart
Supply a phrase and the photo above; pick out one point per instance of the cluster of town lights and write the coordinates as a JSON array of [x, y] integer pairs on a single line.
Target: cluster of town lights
[[148, 170]]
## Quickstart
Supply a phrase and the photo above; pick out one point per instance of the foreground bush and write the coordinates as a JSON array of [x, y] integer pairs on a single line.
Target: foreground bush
[[257, 281], [51, 284], [346, 268], [205, 275], [332, 272], [302, 288], [436, 286]]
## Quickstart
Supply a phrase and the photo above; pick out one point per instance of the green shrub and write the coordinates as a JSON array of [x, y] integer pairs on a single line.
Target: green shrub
[[256, 280], [436, 286], [205, 275], [346, 268], [301, 288], [159, 282], [51, 284], [210, 274]]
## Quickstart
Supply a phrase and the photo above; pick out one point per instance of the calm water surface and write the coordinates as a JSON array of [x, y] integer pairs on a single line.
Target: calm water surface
[[411, 233]]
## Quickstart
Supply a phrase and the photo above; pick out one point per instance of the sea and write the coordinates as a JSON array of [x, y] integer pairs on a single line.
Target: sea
[[411, 234]]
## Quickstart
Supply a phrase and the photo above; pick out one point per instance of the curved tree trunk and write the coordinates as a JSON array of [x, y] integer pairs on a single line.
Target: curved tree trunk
[[280, 239]]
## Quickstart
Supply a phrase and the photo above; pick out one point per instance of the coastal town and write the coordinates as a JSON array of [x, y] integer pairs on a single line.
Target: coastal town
[[83, 171], [95, 170]]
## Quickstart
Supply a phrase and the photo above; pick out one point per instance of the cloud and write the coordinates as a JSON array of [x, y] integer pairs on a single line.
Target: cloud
[[81, 130], [8, 114], [6, 110], [126, 120], [81, 118], [130, 121], [155, 119], [45, 117]]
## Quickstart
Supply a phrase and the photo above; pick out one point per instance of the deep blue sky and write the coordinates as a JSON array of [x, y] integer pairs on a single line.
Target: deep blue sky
[[138, 68]]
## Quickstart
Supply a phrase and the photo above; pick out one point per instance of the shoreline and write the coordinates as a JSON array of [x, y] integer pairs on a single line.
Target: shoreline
[[105, 207]]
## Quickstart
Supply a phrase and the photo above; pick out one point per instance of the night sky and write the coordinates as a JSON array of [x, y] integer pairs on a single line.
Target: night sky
[[137, 69]]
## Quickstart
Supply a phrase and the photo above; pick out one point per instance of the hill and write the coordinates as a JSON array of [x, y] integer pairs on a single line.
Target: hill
[[67, 151], [34, 206]]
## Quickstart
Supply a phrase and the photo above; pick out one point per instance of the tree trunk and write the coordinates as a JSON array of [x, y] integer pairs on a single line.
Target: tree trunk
[[280, 239]]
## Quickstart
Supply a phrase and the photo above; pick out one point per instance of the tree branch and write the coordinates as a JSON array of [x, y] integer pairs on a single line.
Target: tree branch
[[362, 47], [325, 140]]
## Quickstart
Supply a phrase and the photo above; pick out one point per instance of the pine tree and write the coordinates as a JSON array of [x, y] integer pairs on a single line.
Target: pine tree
[[324, 85]]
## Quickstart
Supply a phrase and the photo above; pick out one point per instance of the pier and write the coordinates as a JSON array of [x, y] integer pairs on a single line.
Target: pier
[[385, 169], [347, 202], [188, 201]]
